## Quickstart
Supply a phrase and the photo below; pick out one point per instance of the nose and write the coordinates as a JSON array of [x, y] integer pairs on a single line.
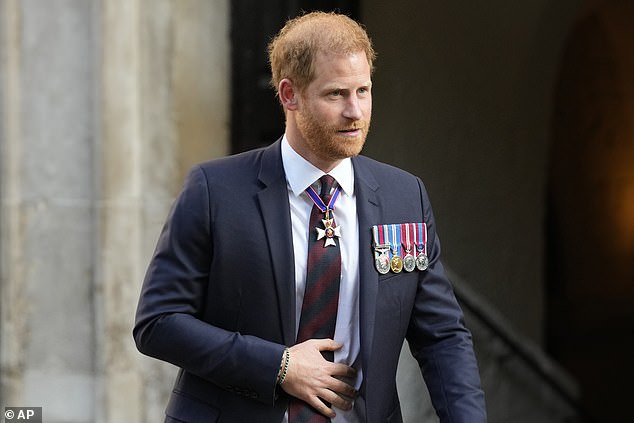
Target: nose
[[353, 108]]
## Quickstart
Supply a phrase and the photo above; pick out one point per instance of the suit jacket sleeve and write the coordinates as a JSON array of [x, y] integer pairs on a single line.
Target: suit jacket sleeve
[[168, 321], [441, 343]]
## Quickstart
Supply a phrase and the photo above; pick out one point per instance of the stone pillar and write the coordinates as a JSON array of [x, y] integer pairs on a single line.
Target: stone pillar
[[47, 208], [11, 287], [164, 102], [104, 105], [119, 266]]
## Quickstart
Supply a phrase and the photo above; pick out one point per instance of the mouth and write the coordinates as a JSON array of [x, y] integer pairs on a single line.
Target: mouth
[[351, 132]]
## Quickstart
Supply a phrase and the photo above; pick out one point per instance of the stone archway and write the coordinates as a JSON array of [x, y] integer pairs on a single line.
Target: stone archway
[[590, 309]]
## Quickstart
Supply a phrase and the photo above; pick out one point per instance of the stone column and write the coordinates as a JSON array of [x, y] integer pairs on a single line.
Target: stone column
[[47, 179], [164, 104], [119, 266], [104, 105]]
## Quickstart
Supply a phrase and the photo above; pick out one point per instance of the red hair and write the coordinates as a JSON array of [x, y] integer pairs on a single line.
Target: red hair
[[292, 52]]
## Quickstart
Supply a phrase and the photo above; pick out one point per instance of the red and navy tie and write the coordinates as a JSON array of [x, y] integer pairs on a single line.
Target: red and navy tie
[[321, 297]]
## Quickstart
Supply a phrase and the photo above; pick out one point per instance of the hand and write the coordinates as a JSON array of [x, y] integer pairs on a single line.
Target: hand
[[313, 379]]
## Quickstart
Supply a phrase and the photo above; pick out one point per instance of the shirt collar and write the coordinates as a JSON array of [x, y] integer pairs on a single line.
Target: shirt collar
[[300, 173]]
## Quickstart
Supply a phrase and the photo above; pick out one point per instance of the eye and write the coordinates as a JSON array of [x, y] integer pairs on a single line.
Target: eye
[[335, 93]]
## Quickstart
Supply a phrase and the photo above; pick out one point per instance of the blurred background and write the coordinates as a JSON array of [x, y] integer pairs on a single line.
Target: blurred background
[[519, 117]]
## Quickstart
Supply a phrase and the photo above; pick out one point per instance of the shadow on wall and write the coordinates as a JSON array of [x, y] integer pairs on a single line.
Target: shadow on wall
[[591, 210]]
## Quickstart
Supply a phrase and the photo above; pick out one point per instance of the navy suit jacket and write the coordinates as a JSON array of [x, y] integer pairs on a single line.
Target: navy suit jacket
[[218, 299]]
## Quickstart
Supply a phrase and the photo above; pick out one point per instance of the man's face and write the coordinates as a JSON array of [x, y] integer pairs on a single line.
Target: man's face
[[334, 110]]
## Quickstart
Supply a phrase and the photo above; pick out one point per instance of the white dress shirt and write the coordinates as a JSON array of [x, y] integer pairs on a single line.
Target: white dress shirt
[[300, 174]]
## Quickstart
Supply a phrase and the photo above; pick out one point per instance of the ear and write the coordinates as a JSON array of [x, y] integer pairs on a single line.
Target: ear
[[287, 94]]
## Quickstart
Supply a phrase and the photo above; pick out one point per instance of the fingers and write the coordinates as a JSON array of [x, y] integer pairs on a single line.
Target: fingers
[[343, 389], [326, 344], [336, 400], [321, 407], [317, 381], [338, 392], [342, 370]]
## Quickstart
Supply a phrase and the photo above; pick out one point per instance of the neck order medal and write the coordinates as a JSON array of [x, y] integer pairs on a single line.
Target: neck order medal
[[329, 231]]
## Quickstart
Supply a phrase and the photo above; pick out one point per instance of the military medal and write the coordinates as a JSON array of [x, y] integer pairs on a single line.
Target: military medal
[[330, 231], [381, 250], [382, 262], [422, 262], [396, 263], [399, 247], [409, 262]]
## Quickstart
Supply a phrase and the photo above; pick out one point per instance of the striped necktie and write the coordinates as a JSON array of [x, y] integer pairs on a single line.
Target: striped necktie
[[321, 297]]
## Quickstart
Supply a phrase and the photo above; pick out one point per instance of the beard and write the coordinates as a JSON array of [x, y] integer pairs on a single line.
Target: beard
[[328, 141]]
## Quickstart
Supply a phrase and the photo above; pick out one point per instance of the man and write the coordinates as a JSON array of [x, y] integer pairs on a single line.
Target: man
[[284, 294]]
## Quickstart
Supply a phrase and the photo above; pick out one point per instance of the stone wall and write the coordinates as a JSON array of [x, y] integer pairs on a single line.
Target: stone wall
[[48, 327], [105, 105]]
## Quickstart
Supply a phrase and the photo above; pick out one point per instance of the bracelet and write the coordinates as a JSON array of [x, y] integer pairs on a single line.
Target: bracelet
[[284, 367]]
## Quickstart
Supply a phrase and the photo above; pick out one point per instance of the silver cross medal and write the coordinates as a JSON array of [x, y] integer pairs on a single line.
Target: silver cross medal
[[329, 232]]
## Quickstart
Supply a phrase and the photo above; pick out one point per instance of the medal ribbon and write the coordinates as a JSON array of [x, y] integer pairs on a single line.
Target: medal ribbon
[[425, 238], [422, 237], [407, 229], [385, 238], [379, 236], [396, 241], [320, 203], [414, 233]]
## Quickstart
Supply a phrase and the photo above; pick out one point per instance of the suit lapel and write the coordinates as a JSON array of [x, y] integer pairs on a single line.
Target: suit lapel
[[275, 209], [368, 211]]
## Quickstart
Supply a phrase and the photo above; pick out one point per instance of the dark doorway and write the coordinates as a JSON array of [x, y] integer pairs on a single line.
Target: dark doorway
[[590, 291], [256, 116]]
